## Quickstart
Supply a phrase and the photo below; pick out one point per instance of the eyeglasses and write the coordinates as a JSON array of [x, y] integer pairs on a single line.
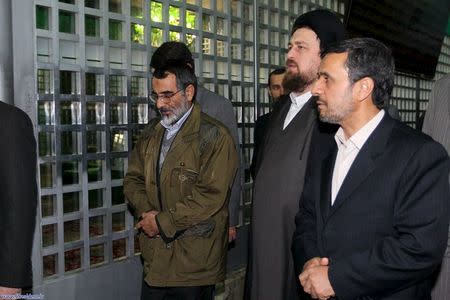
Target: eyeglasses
[[166, 96]]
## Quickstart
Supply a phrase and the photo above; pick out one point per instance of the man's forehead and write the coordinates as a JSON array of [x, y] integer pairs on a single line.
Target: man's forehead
[[276, 78], [168, 77], [305, 35], [337, 59], [169, 81], [333, 64]]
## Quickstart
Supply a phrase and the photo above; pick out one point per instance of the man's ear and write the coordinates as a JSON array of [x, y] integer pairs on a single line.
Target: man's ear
[[364, 88], [190, 92]]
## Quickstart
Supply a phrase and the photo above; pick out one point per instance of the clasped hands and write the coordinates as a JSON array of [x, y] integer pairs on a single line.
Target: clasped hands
[[314, 278], [148, 224]]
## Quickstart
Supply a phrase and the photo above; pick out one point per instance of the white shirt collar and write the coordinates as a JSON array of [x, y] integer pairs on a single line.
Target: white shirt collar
[[360, 137], [300, 99]]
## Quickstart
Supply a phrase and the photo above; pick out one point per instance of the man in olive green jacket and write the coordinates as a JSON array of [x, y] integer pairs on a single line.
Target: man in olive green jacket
[[178, 183]]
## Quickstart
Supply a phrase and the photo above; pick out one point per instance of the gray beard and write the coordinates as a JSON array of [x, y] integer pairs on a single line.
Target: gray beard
[[177, 114], [337, 116], [329, 119]]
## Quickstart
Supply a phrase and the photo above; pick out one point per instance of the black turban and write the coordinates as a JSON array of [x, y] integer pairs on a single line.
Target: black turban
[[325, 24]]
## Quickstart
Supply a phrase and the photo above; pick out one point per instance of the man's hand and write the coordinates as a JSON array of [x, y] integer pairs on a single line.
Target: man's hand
[[148, 223], [314, 278], [231, 233], [9, 291], [313, 262]]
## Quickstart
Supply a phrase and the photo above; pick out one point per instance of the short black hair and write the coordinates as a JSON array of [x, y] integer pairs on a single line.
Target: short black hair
[[277, 71], [172, 51], [367, 57], [184, 74]]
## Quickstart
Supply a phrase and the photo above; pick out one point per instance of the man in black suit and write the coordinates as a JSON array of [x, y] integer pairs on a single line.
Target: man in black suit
[[374, 215], [18, 199]]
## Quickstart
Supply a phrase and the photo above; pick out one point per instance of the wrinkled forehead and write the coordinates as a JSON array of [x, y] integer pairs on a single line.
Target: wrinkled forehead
[[168, 83]]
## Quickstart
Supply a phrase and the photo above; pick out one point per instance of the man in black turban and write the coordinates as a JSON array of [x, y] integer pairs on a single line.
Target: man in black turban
[[281, 163]]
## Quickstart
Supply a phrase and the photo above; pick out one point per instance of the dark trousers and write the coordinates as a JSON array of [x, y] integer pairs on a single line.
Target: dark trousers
[[205, 292]]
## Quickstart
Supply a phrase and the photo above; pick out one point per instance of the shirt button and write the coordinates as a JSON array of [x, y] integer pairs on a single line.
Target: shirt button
[[168, 246], [182, 164]]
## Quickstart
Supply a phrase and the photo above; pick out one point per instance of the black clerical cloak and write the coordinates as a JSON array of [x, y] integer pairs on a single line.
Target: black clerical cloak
[[277, 188]]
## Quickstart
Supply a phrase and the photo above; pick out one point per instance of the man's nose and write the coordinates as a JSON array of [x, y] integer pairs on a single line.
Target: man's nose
[[289, 53], [160, 104], [317, 87]]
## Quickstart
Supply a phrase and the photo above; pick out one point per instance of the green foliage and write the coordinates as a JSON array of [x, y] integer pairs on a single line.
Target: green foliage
[[156, 11], [191, 18], [137, 33], [190, 42], [156, 37], [174, 15], [174, 36]]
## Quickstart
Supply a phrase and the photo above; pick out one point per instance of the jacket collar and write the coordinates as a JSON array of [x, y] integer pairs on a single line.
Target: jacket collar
[[188, 132]]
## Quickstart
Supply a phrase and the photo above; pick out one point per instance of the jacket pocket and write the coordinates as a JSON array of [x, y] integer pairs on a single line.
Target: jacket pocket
[[184, 179]]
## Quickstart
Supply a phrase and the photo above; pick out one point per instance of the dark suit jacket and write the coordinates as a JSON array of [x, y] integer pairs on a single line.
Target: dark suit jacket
[[386, 233], [18, 196]]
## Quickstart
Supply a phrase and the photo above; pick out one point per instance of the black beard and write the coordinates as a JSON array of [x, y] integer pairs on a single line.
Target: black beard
[[295, 82]]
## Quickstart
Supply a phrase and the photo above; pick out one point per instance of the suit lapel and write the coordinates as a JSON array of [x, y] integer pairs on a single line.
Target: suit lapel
[[360, 169], [279, 113], [365, 162], [308, 109], [308, 115], [325, 191], [276, 122]]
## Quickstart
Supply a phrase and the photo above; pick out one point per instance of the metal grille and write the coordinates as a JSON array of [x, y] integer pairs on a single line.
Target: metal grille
[[92, 60]]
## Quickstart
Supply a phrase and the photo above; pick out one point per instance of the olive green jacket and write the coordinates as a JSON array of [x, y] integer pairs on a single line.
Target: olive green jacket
[[192, 199]]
